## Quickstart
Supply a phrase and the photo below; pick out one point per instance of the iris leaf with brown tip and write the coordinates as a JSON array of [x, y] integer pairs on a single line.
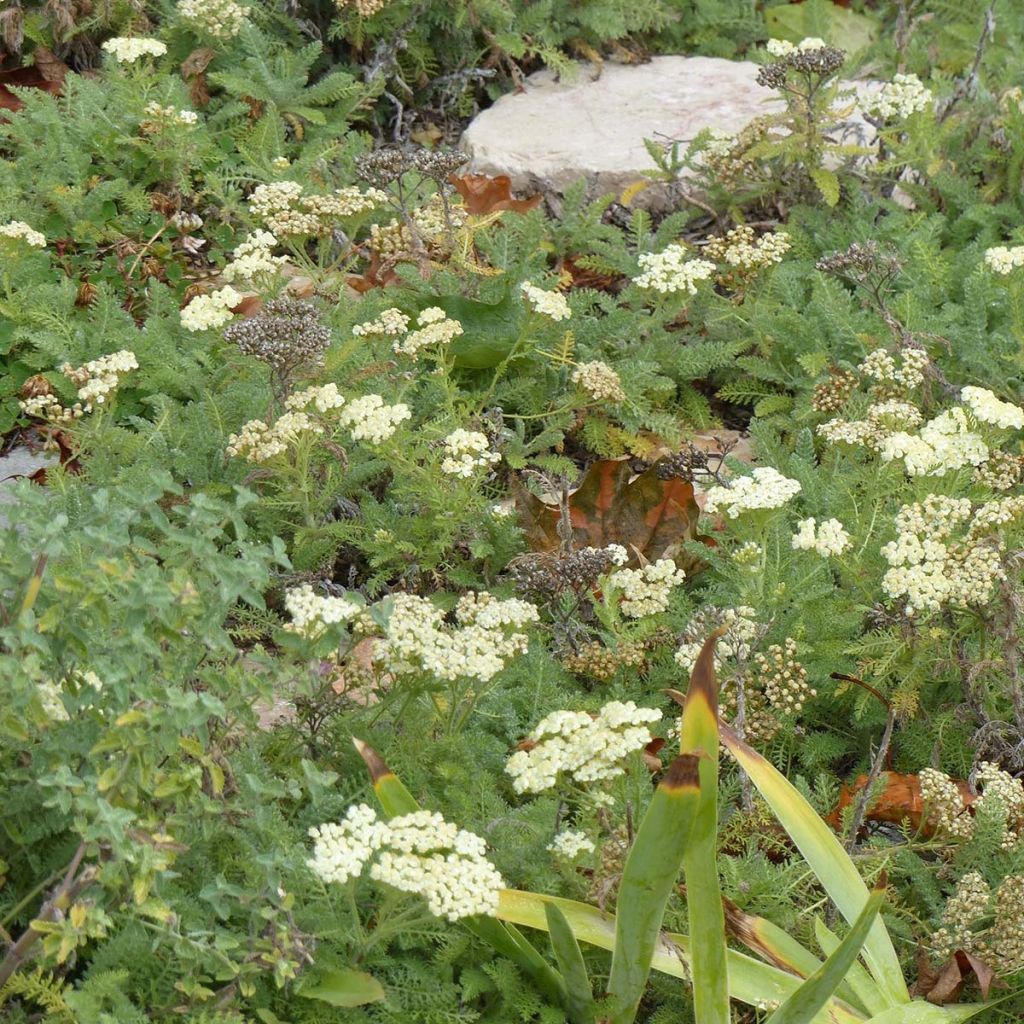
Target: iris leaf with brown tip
[[651, 872]]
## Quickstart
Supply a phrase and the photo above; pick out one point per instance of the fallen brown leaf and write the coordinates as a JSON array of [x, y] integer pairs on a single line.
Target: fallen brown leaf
[[482, 194], [649, 517]]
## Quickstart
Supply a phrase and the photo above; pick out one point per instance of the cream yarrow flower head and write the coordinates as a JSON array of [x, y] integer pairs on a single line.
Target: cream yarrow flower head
[[599, 381], [433, 328], [252, 258], [898, 99], [671, 271], [830, 538], [487, 634], [370, 419], [418, 853], [127, 50], [581, 747], [221, 19], [551, 304], [1003, 259], [389, 323], [646, 591], [312, 614], [466, 451], [210, 310], [986, 408], [783, 47], [19, 230], [570, 843], [765, 488]]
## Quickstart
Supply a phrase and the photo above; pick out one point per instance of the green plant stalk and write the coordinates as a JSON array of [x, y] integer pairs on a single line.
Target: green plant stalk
[[803, 1005], [857, 977], [650, 876], [751, 981], [579, 1005], [395, 799], [699, 737], [827, 859]]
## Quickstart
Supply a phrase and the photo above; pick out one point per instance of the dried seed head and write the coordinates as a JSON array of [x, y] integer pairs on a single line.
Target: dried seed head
[[286, 334]]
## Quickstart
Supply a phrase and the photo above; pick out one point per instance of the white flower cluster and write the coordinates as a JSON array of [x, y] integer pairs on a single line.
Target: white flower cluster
[[16, 229], [646, 591], [221, 19], [389, 324], [419, 853], [986, 408], [312, 613], [766, 487], [670, 271], [252, 258], [210, 310], [570, 843], [931, 567], [1001, 801], [99, 378], [880, 365], [485, 636], [95, 380], [159, 117], [741, 248], [258, 441], [898, 99], [742, 631], [944, 444], [51, 698], [783, 47], [370, 419], [323, 397], [988, 924], [1003, 260], [466, 451], [434, 328], [599, 381], [583, 747], [551, 304], [127, 50], [287, 211], [830, 538]]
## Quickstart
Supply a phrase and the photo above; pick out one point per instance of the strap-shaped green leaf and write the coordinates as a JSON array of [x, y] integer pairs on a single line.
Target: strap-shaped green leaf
[[651, 873], [579, 995], [803, 1005], [828, 860]]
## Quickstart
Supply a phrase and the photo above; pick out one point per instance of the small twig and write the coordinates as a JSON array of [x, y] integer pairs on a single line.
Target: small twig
[[860, 809], [51, 910], [969, 82]]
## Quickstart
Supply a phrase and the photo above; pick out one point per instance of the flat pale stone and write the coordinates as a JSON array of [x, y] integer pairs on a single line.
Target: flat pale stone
[[556, 132], [553, 133], [17, 464]]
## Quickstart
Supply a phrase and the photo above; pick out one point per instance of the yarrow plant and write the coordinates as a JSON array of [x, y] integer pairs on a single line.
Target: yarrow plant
[[417, 853], [579, 747], [897, 100], [672, 271], [19, 230], [551, 304], [765, 488], [127, 50]]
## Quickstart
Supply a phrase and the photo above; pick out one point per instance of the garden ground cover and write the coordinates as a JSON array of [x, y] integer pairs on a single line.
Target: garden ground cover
[[356, 633]]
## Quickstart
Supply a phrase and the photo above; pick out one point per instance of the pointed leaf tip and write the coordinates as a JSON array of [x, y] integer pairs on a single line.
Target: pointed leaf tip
[[703, 681], [683, 773], [374, 762]]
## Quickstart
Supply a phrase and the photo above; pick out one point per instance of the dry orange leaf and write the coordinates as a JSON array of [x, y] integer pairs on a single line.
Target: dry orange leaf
[[47, 74], [482, 194], [649, 517], [901, 800]]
